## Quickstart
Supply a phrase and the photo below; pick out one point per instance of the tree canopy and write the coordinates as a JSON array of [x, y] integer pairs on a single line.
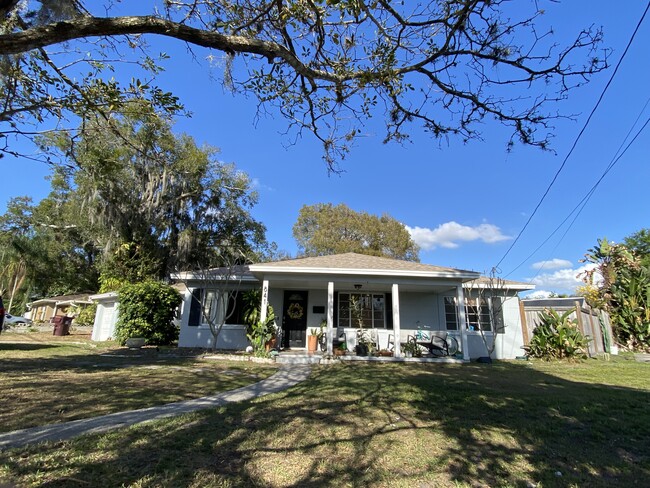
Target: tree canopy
[[127, 207], [327, 66], [324, 229]]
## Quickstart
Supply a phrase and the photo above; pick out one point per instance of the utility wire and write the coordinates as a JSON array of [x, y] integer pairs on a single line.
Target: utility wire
[[583, 202], [575, 143]]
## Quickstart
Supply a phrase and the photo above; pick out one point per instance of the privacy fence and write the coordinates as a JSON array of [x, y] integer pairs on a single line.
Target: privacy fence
[[592, 322]]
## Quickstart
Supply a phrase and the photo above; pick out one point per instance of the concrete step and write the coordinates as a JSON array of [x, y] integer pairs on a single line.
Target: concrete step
[[298, 359]]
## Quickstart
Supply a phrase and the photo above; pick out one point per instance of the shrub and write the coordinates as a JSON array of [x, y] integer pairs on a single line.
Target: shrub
[[147, 310], [86, 315], [557, 337]]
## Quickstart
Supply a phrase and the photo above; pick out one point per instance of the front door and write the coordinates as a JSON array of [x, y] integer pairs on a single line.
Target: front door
[[294, 319]]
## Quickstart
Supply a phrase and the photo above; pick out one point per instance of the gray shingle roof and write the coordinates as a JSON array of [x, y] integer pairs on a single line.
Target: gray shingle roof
[[361, 262]]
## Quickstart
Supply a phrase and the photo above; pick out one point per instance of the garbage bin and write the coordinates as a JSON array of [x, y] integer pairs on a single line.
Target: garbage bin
[[61, 325]]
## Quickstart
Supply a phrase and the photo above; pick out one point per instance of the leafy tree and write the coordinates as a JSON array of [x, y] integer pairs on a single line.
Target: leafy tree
[[43, 251], [323, 229], [155, 201], [326, 66], [622, 282], [639, 244]]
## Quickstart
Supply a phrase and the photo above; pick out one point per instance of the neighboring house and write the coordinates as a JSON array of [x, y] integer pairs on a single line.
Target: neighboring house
[[396, 298], [105, 316], [44, 309]]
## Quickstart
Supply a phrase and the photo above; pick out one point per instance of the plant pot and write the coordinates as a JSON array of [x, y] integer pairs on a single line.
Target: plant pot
[[312, 344], [135, 342], [339, 352], [270, 344], [361, 350]]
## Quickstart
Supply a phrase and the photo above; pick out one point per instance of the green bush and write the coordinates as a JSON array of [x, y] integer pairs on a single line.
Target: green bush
[[86, 315], [147, 310], [557, 337]]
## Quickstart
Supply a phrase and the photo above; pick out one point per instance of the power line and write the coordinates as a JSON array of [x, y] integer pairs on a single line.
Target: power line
[[575, 142], [583, 202]]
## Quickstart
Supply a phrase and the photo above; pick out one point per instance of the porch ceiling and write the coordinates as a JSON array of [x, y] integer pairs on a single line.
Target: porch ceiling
[[367, 284]]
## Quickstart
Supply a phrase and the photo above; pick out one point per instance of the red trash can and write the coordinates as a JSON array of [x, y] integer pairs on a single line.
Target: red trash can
[[61, 325]]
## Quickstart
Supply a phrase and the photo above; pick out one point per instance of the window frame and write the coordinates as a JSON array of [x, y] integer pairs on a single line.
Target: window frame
[[368, 313]]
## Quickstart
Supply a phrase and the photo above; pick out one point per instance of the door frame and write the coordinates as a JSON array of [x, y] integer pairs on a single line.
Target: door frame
[[301, 330]]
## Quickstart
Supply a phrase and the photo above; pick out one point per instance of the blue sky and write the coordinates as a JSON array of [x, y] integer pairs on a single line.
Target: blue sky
[[463, 203]]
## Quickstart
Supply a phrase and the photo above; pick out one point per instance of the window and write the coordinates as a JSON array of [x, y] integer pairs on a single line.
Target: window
[[477, 312], [451, 315], [217, 303], [480, 314], [367, 308]]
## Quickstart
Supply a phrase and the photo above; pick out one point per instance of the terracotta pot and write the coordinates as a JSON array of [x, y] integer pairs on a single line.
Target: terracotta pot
[[271, 344], [312, 343]]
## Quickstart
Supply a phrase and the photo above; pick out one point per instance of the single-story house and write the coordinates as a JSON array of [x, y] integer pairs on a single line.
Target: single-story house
[[396, 298], [44, 309]]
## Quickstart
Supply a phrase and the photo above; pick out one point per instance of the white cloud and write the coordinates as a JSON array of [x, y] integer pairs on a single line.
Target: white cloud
[[539, 294], [563, 280], [554, 263], [256, 184], [450, 234]]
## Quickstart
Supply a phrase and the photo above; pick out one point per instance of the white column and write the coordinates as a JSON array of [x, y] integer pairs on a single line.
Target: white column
[[462, 321], [396, 323], [265, 299], [330, 318]]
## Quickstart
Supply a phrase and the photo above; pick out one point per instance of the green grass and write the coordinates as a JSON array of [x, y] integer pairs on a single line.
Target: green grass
[[404, 425], [46, 380]]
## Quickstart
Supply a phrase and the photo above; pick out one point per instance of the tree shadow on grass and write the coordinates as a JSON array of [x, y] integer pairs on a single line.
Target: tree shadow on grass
[[377, 425], [13, 346]]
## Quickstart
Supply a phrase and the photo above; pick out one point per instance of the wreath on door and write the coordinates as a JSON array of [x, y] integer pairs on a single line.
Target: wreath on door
[[295, 311]]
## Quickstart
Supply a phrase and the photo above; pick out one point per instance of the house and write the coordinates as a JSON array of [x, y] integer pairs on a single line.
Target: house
[[394, 299], [44, 309]]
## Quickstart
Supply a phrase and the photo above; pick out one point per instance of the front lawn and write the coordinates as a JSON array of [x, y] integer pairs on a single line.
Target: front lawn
[[47, 379], [405, 425]]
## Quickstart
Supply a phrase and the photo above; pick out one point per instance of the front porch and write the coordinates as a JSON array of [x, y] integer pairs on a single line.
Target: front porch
[[298, 356]]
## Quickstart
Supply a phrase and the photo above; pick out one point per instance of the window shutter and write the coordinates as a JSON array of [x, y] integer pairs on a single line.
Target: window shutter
[[195, 307]]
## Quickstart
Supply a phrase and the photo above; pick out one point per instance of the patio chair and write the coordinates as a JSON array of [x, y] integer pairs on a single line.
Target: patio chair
[[438, 343]]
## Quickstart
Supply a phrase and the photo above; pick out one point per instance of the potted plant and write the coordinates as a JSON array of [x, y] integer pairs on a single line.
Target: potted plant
[[411, 349], [312, 340]]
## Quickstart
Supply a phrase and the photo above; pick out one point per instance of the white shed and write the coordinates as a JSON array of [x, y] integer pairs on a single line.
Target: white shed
[[106, 316]]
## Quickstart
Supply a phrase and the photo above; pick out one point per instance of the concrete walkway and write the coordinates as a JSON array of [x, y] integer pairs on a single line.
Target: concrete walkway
[[285, 378]]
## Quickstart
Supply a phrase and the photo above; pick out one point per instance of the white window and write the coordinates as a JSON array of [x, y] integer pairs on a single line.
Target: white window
[[451, 313], [357, 309], [480, 313]]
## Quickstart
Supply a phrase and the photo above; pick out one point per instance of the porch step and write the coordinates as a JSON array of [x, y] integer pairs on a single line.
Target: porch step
[[298, 359]]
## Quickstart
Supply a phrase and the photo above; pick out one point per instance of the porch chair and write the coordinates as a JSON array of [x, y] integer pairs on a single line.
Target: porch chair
[[438, 343]]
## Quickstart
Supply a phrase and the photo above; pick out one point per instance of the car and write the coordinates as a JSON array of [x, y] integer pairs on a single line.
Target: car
[[14, 319]]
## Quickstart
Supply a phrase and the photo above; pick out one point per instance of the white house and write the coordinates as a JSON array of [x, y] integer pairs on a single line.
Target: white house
[[396, 298]]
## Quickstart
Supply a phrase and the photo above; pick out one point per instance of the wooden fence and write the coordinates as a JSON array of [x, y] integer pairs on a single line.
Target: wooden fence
[[592, 322]]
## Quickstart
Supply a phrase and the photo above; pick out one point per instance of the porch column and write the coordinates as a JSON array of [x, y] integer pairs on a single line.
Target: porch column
[[462, 321], [330, 318], [396, 323], [265, 299]]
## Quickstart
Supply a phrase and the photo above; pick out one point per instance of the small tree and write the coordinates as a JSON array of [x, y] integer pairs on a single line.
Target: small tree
[[147, 310], [489, 307]]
